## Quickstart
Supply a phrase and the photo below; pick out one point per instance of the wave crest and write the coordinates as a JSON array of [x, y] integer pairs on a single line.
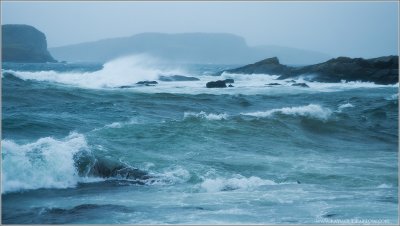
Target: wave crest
[[236, 183], [311, 111], [46, 163], [116, 73], [204, 115]]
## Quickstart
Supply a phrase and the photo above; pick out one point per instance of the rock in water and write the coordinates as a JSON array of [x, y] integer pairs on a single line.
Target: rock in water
[[216, 84], [273, 84], [110, 169], [304, 85], [147, 83], [25, 44], [125, 87], [381, 70]]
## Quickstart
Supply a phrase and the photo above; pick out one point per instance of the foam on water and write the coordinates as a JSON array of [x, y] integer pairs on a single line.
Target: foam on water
[[169, 176], [45, 163], [234, 183], [311, 111], [393, 97], [343, 106], [204, 115], [127, 71], [118, 72]]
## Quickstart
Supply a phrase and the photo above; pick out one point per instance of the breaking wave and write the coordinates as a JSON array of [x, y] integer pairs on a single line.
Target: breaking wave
[[343, 106], [204, 115], [311, 111], [45, 163], [119, 72], [236, 183]]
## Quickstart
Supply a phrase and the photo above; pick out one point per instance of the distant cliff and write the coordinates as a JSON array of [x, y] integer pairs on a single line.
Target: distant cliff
[[25, 44], [381, 70], [208, 48]]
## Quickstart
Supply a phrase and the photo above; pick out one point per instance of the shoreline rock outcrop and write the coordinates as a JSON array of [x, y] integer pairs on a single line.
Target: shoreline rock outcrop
[[24, 44], [381, 70]]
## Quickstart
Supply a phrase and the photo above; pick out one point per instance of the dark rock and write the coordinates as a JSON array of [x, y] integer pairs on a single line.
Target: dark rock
[[329, 215], [125, 87], [229, 80], [179, 78], [273, 84], [216, 84], [301, 85], [230, 85], [106, 169], [147, 83], [25, 44], [267, 66], [381, 70]]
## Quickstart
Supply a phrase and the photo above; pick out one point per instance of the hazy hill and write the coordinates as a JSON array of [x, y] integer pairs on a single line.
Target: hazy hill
[[24, 43], [217, 48]]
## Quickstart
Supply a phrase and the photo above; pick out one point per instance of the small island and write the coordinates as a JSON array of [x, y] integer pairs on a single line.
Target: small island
[[24, 44]]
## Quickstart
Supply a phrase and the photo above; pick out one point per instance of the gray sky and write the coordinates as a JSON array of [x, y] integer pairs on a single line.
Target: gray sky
[[356, 29]]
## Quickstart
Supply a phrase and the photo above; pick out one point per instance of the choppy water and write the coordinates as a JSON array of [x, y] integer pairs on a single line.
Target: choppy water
[[247, 154]]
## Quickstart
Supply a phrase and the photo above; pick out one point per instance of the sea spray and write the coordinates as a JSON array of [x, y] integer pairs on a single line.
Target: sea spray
[[204, 115], [311, 111], [119, 72], [45, 163]]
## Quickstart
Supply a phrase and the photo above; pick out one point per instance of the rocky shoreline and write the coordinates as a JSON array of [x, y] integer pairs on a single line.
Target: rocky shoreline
[[381, 70]]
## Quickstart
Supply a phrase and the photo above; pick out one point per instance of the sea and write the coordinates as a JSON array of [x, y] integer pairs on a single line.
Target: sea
[[79, 149]]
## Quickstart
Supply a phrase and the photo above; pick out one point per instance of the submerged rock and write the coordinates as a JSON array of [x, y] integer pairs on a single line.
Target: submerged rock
[[147, 83], [216, 84], [177, 78], [108, 169], [304, 85], [230, 85]]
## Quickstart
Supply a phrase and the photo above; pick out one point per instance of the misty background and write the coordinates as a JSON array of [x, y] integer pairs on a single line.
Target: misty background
[[212, 32]]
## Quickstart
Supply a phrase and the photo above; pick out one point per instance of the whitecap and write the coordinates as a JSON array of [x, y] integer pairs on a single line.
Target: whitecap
[[234, 183], [204, 115], [384, 186], [45, 163], [393, 97], [343, 106], [311, 111], [116, 73]]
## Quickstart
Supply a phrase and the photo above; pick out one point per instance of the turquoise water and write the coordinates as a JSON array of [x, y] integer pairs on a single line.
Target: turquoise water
[[76, 149]]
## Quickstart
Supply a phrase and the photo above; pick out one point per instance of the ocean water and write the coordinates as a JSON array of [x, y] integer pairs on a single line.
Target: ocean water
[[185, 154]]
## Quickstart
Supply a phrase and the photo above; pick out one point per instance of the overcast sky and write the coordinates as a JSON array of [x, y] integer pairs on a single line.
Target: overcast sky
[[356, 29]]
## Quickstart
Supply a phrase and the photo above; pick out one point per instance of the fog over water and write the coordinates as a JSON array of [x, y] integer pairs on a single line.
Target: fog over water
[[354, 29]]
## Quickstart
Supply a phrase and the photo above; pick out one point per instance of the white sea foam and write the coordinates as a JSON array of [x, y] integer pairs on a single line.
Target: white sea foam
[[234, 183], [204, 115], [343, 106], [311, 111], [45, 163], [384, 186], [118, 72], [127, 71], [170, 175], [120, 124], [393, 97]]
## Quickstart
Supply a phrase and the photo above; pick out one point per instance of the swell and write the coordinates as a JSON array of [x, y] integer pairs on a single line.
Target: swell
[[46, 215]]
